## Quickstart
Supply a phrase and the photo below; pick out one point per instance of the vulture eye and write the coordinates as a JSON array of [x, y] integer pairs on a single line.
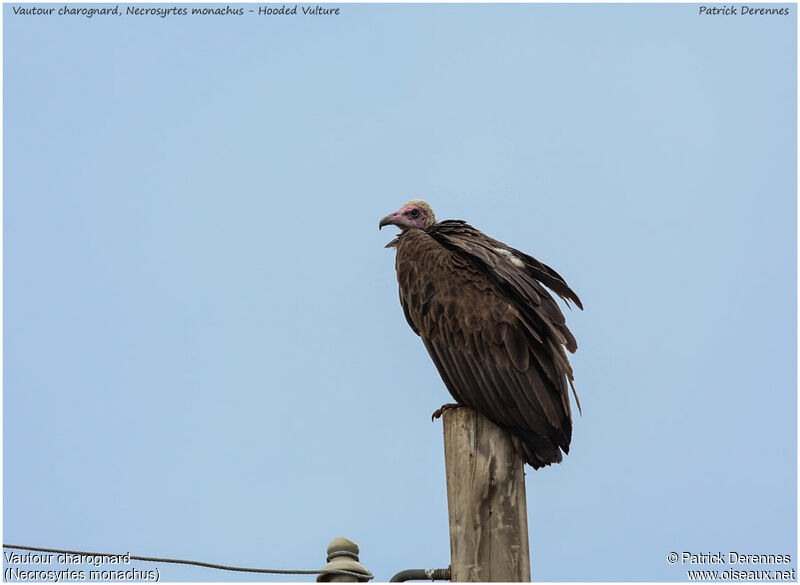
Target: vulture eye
[[414, 213]]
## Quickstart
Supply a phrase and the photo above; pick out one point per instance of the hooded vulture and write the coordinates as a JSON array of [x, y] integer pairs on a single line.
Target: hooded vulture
[[491, 327]]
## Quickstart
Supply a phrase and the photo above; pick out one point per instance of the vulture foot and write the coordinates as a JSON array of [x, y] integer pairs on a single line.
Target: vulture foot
[[440, 411]]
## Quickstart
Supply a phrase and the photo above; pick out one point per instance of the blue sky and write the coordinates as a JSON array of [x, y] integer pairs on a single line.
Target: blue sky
[[204, 353]]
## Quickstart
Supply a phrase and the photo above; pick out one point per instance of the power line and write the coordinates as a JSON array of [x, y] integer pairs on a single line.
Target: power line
[[368, 575]]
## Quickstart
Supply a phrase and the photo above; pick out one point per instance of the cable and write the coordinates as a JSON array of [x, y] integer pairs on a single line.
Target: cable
[[421, 575], [366, 575]]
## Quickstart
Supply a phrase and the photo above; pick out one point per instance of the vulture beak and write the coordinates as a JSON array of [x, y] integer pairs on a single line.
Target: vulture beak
[[388, 220]]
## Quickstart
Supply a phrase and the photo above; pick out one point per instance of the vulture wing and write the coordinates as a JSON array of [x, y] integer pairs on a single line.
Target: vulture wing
[[494, 332]]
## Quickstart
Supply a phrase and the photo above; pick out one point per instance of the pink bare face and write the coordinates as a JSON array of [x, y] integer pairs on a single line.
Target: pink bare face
[[410, 216]]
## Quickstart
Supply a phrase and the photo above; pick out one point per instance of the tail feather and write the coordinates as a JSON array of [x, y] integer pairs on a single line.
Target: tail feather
[[537, 451]]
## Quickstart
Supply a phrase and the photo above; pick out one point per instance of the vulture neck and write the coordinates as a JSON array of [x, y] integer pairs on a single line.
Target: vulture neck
[[415, 237]]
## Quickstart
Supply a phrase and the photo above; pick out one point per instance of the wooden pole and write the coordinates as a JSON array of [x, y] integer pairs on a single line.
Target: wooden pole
[[485, 500]]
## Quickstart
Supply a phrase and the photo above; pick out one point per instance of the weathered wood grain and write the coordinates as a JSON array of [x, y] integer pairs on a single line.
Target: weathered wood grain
[[485, 499]]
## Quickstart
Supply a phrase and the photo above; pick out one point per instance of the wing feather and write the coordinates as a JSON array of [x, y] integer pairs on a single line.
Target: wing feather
[[493, 331]]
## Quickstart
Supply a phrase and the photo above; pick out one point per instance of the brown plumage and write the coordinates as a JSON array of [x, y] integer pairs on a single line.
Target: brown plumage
[[493, 330]]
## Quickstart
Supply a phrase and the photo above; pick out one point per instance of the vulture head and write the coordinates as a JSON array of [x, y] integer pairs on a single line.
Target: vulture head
[[414, 214]]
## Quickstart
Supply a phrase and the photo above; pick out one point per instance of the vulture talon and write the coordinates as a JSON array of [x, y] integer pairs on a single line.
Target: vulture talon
[[445, 407]]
